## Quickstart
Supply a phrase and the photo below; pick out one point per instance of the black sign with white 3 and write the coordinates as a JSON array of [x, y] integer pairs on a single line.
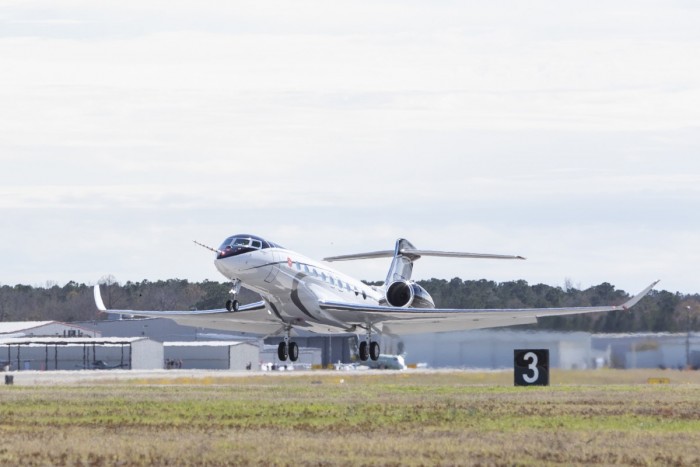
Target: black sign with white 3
[[531, 367]]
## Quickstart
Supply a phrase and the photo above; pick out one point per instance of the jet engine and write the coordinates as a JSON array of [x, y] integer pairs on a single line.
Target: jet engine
[[408, 294]]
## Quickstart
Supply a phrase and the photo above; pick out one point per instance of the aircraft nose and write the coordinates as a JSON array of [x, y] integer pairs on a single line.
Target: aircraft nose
[[230, 266]]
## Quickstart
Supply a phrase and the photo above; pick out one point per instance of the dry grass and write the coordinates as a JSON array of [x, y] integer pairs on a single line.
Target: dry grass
[[349, 419]]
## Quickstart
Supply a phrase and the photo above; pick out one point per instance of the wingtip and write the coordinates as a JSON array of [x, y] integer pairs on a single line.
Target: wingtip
[[98, 299], [633, 301]]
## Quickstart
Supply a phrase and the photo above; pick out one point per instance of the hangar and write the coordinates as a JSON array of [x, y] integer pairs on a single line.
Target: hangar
[[332, 348], [80, 353]]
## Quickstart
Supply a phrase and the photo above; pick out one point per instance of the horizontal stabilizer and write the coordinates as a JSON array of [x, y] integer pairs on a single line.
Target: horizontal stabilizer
[[415, 254]]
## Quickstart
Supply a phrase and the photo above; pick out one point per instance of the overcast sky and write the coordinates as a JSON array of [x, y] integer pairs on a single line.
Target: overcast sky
[[565, 132]]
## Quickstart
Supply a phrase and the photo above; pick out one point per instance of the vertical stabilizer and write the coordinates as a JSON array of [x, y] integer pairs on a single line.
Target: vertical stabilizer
[[402, 265]]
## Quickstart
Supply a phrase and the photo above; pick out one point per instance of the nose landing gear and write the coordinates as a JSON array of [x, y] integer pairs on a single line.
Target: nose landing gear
[[232, 304]]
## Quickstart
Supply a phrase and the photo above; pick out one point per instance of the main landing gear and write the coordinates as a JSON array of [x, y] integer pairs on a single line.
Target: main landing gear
[[369, 348], [287, 349], [232, 304]]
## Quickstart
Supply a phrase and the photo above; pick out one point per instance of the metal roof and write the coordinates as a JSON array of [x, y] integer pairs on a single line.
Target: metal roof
[[71, 340], [208, 343], [15, 327], [10, 327]]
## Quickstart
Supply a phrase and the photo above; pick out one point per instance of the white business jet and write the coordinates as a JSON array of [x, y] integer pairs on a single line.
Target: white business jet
[[300, 293]]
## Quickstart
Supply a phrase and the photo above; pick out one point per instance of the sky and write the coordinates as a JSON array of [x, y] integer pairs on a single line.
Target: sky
[[565, 132]]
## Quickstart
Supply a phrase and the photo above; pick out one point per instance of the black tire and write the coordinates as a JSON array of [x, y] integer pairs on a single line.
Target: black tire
[[293, 351], [229, 305], [374, 350], [364, 351], [282, 352], [235, 306]]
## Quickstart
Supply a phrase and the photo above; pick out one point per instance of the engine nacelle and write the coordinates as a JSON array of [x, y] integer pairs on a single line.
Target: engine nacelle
[[408, 294]]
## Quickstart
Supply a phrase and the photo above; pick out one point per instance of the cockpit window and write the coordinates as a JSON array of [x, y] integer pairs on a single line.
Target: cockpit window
[[243, 243]]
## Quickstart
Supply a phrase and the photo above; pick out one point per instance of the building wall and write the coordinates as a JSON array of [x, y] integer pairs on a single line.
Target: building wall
[[65, 357], [245, 356], [493, 349], [147, 355], [206, 357], [648, 350], [219, 356]]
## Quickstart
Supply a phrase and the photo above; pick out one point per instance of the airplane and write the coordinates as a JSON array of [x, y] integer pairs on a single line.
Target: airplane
[[387, 362], [299, 293]]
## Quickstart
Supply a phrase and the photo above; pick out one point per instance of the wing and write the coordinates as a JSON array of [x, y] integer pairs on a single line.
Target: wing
[[250, 318], [402, 321]]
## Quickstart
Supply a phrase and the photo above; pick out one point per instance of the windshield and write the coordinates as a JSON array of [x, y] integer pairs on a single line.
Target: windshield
[[243, 243]]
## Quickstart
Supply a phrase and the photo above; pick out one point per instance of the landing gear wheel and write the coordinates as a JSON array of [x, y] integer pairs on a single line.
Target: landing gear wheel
[[232, 305], [364, 351], [293, 351], [374, 350], [282, 351]]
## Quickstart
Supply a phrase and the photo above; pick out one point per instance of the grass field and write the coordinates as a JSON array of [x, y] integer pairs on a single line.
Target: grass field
[[393, 418]]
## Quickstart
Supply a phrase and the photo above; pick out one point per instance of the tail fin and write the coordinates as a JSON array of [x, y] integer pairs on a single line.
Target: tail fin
[[402, 265]]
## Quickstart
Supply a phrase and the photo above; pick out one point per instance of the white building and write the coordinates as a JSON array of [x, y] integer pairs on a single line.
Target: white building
[[80, 353]]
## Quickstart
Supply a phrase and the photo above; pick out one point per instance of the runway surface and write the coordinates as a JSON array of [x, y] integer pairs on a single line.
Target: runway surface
[[458, 376], [86, 377]]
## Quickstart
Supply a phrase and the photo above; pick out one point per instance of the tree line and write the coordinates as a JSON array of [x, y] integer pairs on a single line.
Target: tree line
[[660, 311]]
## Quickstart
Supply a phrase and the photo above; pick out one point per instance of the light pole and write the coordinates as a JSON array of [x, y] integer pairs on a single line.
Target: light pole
[[687, 340]]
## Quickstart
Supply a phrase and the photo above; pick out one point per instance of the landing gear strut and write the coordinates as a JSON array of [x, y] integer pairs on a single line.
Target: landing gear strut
[[232, 304], [287, 349]]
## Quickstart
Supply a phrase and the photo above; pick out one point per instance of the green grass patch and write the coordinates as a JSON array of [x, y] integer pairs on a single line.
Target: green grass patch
[[325, 419]]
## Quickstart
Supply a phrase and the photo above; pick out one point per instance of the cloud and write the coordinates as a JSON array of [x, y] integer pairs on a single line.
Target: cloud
[[561, 133]]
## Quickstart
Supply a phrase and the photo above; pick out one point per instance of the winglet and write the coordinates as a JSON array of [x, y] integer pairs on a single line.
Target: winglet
[[633, 301], [98, 299]]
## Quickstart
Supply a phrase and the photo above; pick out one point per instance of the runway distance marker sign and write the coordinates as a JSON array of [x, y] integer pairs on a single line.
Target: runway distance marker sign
[[531, 367]]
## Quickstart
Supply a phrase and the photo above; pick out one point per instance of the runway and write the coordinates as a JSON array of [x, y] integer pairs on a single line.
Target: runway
[[502, 377], [90, 377], [87, 377]]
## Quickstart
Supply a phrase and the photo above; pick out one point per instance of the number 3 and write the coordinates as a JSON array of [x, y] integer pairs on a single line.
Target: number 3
[[532, 366]]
